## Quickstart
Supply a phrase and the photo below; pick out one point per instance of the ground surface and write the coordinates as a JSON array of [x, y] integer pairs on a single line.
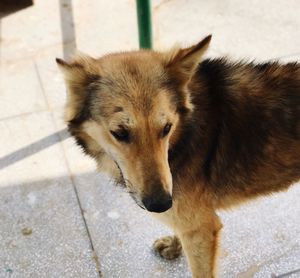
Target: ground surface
[[58, 218]]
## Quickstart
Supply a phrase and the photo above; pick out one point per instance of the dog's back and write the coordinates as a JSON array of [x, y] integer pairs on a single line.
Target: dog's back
[[246, 126]]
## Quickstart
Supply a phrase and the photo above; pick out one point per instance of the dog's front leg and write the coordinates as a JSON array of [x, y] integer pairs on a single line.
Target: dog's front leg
[[197, 229], [200, 244]]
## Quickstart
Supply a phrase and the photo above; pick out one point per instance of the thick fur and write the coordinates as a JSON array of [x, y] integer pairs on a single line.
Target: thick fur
[[235, 134]]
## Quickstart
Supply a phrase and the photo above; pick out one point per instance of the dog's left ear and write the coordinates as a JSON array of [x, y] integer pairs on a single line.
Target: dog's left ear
[[186, 60]]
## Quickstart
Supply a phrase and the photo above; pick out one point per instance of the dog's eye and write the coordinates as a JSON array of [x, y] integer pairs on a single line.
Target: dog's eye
[[121, 135], [166, 129]]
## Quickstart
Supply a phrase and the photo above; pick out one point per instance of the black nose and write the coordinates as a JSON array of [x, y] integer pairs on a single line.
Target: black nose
[[158, 203]]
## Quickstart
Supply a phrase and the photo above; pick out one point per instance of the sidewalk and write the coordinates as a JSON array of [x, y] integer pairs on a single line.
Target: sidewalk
[[58, 217]]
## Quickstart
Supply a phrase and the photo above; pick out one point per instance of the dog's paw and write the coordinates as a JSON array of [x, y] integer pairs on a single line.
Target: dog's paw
[[168, 247]]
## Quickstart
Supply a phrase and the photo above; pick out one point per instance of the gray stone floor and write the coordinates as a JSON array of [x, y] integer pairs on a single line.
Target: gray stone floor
[[58, 217]]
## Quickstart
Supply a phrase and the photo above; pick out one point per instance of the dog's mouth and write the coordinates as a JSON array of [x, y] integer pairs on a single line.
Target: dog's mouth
[[145, 205], [137, 201], [128, 185]]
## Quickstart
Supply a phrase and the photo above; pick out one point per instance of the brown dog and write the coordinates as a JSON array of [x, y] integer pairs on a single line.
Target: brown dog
[[187, 137]]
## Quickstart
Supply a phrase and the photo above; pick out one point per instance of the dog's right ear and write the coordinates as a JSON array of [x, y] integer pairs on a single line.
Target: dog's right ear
[[79, 71], [78, 74]]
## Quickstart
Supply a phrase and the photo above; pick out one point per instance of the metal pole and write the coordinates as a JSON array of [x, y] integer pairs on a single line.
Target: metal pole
[[144, 23]]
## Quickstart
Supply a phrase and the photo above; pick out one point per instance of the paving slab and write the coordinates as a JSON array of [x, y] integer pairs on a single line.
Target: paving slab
[[42, 231], [241, 29], [263, 237], [50, 77], [105, 26], [20, 89], [26, 32], [25, 153]]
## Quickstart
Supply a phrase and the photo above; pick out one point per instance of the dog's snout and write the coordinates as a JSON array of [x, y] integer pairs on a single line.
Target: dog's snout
[[158, 203]]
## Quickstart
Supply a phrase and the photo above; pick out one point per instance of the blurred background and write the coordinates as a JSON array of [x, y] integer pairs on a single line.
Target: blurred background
[[58, 217]]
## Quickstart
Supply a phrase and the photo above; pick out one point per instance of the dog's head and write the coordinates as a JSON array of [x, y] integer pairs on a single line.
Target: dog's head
[[128, 106]]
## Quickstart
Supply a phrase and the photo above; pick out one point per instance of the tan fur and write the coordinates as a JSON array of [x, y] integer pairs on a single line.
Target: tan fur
[[136, 156]]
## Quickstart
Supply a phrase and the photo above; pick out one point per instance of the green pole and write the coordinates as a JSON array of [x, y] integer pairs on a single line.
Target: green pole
[[144, 23]]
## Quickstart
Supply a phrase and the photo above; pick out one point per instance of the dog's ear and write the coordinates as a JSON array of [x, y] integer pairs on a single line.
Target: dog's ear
[[78, 74], [186, 60], [79, 71]]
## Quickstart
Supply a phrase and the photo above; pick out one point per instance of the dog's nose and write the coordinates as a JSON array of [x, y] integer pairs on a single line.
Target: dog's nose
[[158, 204]]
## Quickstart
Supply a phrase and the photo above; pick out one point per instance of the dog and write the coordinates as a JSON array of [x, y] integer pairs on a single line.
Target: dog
[[187, 136]]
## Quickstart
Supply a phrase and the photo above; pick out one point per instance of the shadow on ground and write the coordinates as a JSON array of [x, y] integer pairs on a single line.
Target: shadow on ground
[[43, 216], [11, 6]]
